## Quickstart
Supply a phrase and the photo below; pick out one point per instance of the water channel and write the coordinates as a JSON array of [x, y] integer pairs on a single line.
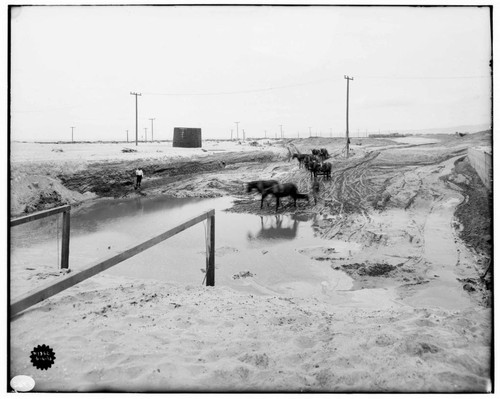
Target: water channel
[[266, 255]]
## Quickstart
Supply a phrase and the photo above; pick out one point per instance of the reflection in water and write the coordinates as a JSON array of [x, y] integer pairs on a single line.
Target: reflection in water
[[45, 229], [272, 227], [92, 218], [139, 206], [107, 228]]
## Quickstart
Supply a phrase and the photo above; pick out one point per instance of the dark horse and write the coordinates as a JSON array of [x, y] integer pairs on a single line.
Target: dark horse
[[287, 190], [262, 186], [300, 158], [325, 169]]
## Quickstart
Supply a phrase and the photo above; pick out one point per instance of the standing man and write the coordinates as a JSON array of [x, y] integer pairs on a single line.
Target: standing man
[[138, 176]]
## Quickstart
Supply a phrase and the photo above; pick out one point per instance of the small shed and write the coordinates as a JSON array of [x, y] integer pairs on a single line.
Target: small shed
[[187, 137]]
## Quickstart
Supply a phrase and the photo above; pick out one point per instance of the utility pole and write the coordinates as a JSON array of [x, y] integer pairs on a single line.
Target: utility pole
[[309, 131], [152, 119], [331, 134], [237, 131], [265, 134], [231, 134], [72, 127], [347, 116], [145, 134], [127, 136], [243, 134], [136, 115]]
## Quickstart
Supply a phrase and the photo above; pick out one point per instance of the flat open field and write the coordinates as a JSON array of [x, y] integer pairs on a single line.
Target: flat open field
[[417, 317]]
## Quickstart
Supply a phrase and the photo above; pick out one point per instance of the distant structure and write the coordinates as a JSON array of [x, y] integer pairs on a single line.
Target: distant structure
[[187, 137]]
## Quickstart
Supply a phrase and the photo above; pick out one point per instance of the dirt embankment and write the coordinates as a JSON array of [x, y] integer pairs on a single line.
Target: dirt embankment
[[41, 185], [117, 179]]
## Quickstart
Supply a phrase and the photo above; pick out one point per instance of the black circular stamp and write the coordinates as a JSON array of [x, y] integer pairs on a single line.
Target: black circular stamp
[[42, 357]]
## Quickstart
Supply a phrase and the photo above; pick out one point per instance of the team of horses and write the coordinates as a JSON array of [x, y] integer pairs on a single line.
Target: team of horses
[[314, 162]]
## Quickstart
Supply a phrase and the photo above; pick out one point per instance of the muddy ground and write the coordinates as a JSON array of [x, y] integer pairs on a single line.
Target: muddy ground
[[380, 196], [418, 311]]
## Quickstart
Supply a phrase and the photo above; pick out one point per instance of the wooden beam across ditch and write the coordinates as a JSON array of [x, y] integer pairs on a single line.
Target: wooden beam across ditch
[[65, 210], [39, 215], [49, 289]]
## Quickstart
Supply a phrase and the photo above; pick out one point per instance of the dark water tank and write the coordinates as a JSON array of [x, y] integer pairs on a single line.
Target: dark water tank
[[187, 137]]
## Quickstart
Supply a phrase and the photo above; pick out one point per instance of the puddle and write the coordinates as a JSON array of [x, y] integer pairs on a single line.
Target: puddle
[[275, 250]]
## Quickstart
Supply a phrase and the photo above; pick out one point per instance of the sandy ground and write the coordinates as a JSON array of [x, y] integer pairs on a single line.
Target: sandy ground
[[416, 319]]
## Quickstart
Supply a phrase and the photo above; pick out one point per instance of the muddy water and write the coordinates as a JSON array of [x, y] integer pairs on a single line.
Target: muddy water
[[441, 255], [266, 255]]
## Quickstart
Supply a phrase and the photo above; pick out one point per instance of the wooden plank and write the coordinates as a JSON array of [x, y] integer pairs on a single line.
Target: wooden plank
[[49, 289], [65, 240], [39, 215], [211, 251]]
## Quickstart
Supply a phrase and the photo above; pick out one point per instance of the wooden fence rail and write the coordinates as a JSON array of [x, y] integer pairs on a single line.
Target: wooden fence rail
[[49, 289], [65, 210]]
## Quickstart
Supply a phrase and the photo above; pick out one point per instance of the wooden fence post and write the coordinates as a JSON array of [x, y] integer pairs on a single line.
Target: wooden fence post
[[211, 251], [65, 240]]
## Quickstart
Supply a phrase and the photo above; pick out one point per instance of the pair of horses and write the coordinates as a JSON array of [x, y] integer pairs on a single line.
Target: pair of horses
[[273, 187], [322, 153], [325, 169], [316, 167]]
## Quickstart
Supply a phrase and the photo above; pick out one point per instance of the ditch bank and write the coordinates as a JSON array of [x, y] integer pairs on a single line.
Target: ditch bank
[[44, 185]]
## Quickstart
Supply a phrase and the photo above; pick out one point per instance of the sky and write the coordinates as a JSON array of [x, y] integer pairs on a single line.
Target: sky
[[273, 69]]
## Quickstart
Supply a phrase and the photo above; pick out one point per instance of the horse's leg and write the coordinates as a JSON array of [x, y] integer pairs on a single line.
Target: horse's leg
[[264, 195], [277, 203]]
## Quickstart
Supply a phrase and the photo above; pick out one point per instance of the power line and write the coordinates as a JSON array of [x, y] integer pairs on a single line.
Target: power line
[[238, 91], [152, 119], [347, 116], [237, 132], [316, 82], [425, 77], [136, 115]]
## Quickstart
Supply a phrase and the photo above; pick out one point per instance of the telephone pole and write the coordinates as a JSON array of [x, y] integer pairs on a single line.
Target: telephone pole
[[145, 134], [237, 131], [347, 116], [309, 131], [136, 115], [152, 119], [72, 127], [127, 136]]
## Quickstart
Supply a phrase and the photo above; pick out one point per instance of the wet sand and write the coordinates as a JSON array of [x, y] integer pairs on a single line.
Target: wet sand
[[401, 322]]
